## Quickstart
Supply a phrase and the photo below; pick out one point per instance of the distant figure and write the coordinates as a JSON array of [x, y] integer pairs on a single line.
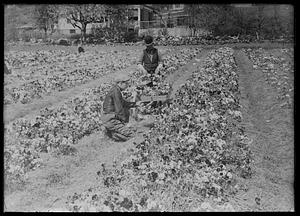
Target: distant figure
[[80, 48], [151, 60], [6, 70]]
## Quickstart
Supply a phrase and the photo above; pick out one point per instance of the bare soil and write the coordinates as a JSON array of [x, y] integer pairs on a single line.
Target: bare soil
[[272, 130], [48, 187], [270, 127], [18, 110]]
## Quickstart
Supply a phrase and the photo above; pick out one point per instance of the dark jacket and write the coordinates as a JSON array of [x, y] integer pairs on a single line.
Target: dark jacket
[[150, 59], [115, 103]]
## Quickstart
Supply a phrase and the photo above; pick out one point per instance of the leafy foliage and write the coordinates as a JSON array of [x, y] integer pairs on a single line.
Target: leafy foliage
[[56, 129], [130, 37], [117, 14], [80, 15], [46, 71], [210, 17], [228, 20], [193, 154], [276, 71], [106, 34]]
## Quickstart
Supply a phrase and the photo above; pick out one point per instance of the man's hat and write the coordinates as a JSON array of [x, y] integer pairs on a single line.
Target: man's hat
[[148, 40], [122, 78]]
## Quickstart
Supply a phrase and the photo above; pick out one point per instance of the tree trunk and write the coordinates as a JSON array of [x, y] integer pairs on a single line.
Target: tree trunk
[[194, 31], [45, 29], [83, 32], [52, 28]]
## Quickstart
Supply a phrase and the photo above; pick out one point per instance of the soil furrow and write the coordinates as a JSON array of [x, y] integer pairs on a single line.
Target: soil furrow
[[268, 142], [48, 187]]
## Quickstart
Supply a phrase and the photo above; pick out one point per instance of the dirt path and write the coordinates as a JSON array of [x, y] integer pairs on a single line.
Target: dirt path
[[269, 126], [184, 73], [49, 186], [272, 131], [18, 110]]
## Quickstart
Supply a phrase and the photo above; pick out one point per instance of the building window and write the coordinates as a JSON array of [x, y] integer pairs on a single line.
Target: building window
[[72, 31]]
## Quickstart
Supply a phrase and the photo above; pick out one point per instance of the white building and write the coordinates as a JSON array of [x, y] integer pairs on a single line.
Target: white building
[[142, 16], [66, 28]]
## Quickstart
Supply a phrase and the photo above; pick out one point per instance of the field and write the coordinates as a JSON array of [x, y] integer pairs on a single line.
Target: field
[[224, 143]]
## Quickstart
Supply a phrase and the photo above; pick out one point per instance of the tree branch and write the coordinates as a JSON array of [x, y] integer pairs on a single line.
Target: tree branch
[[74, 21]]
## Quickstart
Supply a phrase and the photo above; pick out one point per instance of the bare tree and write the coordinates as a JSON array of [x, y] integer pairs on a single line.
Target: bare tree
[[79, 15], [46, 17]]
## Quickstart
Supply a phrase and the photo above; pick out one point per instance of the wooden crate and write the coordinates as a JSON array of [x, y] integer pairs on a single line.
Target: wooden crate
[[154, 98], [162, 98]]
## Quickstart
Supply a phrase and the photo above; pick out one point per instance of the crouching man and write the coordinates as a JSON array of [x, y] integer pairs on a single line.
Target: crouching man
[[116, 111]]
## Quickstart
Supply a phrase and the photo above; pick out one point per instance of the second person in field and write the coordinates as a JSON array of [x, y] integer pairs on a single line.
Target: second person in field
[[150, 61]]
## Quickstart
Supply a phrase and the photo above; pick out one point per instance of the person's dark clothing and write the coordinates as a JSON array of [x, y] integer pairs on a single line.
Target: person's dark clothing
[[116, 115], [80, 49], [150, 59], [115, 103], [117, 130]]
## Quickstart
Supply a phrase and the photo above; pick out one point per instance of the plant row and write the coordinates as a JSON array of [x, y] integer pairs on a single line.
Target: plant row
[[277, 71], [63, 72], [71, 71], [55, 129], [192, 156]]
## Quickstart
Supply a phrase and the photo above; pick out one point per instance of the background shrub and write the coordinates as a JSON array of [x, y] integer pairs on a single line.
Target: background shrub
[[130, 37]]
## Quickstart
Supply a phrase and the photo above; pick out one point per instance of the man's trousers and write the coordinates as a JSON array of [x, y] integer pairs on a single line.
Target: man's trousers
[[117, 130]]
